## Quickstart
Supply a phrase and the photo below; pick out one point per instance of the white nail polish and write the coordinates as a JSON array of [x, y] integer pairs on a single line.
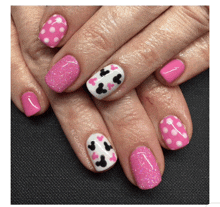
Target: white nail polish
[[101, 152], [104, 82]]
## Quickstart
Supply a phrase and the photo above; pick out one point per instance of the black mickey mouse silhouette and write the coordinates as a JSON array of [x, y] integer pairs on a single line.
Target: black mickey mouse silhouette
[[103, 72], [107, 147], [100, 89], [92, 146], [102, 162], [116, 79]]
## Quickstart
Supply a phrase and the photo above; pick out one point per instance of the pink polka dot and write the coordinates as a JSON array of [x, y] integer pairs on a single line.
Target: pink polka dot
[[169, 141], [46, 40], [42, 31], [56, 39], [173, 132], [165, 130], [52, 29], [62, 29], [179, 143]]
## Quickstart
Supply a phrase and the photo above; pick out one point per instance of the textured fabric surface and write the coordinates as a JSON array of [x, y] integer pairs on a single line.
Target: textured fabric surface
[[45, 170]]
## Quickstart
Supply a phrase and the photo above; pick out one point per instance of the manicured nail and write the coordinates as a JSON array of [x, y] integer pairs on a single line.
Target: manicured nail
[[30, 103], [172, 70], [173, 132], [101, 152], [104, 82], [63, 74], [53, 30], [145, 169]]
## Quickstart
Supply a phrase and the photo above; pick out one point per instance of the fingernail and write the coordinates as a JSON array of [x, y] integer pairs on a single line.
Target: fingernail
[[171, 71], [30, 103], [104, 82], [101, 152], [53, 30], [63, 74], [173, 132], [145, 169]]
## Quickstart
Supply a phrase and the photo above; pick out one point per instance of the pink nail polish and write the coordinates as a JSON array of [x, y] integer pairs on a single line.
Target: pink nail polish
[[30, 103], [53, 30], [63, 74], [171, 71], [173, 132], [145, 169]]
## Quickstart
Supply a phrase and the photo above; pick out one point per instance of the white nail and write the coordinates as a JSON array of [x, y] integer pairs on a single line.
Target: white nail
[[101, 152], [104, 82]]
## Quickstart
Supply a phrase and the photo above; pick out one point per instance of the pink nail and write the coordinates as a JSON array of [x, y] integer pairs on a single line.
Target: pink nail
[[63, 74], [53, 30], [173, 132], [30, 103], [172, 70], [145, 169]]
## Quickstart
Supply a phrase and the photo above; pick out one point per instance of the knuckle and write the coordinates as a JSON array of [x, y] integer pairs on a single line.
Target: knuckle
[[33, 49], [199, 14], [97, 36]]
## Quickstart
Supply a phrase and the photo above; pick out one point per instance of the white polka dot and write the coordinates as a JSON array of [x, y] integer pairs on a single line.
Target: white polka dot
[[52, 29], [165, 130], [54, 15], [169, 141], [56, 39], [179, 124], [161, 121], [49, 21], [174, 132], [58, 20], [62, 37], [46, 40], [62, 29], [169, 121], [42, 31], [185, 135], [175, 117], [179, 143]]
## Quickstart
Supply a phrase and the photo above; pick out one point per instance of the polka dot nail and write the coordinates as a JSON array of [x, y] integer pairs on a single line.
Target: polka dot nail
[[53, 30], [173, 132]]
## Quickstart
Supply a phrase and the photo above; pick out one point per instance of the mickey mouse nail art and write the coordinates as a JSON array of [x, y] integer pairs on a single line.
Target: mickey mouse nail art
[[101, 152], [107, 80]]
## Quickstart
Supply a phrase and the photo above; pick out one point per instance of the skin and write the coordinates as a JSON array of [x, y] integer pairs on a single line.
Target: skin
[[153, 41], [139, 120]]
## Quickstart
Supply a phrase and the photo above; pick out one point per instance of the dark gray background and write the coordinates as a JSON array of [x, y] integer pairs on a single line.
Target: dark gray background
[[45, 170]]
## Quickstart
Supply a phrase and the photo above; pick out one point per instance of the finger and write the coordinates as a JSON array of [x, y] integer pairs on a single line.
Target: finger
[[59, 23], [190, 62], [107, 30], [76, 112], [26, 93], [84, 129], [135, 139], [170, 33], [168, 111]]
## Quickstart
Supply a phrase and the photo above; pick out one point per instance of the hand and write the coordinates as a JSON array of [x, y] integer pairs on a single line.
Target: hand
[[138, 40]]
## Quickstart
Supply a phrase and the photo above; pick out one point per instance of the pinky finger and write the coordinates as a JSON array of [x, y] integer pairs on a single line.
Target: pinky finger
[[26, 93], [190, 62]]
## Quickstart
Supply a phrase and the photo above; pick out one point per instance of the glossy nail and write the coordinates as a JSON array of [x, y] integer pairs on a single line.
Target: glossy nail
[[173, 132], [145, 169], [30, 103], [53, 30], [101, 152], [104, 82], [171, 71], [63, 74]]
